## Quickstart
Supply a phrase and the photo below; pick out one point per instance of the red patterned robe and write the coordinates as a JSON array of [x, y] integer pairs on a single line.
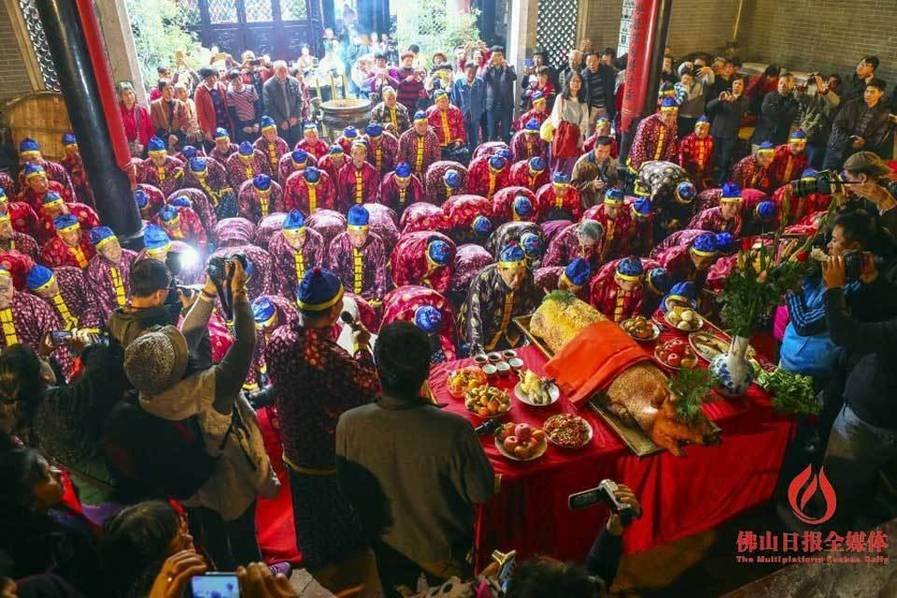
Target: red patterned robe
[[503, 204], [712, 220], [799, 207], [22, 243], [74, 166], [469, 259], [362, 271], [748, 174], [521, 176], [532, 113], [222, 156], [448, 125], [489, 148], [255, 205], [318, 149], [166, 177], [8, 184], [786, 166], [240, 170], [549, 279], [399, 199], [28, 320], [22, 216], [424, 216], [154, 195], [214, 184], [511, 232], [267, 228], [55, 172], [565, 247], [436, 189], [677, 260], [382, 152], [56, 253], [482, 180], [357, 185], [552, 206], [34, 199], [85, 215], [696, 157], [606, 296], [285, 312], [653, 141], [526, 145], [110, 281], [232, 232], [262, 281], [201, 205], [400, 304], [617, 231], [328, 165], [189, 229], [75, 306], [384, 224], [286, 167], [411, 266], [291, 265], [298, 194], [329, 223], [461, 210], [273, 151], [419, 150]]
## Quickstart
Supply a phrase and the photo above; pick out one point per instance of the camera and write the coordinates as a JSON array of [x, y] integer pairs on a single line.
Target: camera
[[853, 265], [605, 493], [217, 269], [825, 182]]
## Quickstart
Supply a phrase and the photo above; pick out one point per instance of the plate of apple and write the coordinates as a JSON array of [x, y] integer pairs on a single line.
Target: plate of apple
[[676, 354], [520, 442]]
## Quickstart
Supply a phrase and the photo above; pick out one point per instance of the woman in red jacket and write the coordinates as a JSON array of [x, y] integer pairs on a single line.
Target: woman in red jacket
[[210, 98], [137, 121]]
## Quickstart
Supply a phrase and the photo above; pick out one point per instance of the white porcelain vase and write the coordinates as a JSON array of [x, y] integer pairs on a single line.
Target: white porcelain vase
[[733, 371]]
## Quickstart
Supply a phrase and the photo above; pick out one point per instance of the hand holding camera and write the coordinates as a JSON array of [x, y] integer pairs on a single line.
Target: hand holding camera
[[619, 498]]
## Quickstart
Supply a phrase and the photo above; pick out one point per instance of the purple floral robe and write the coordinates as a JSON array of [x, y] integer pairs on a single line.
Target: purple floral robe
[[371, 280]]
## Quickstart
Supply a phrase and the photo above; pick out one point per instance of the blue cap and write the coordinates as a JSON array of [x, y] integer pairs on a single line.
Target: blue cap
[[266, 122], [725, 242], [505, 153], [246, 149], [261, 181], [522, 206], [439, 94], [537, 95], [659, 280], [374, 130], [168, 213], [668, 103], [319, 290], [155, 237], [809, 172], [684, 290], [702, 120], [181, 201], [420, 116], [439, 251], [141, 198], [452, 178], [731, 191], [65, 221], [428, 319], [537, 164], [532, 125], [37, 277], [641, 207], [614, 195], [560, 178], [512, 254], [350, 132], [28, 145], [497, 162], [481, 225], [312, 174], [189, 152], [358, 216], [198, 164], [797, 135], [630, 266], [221, 133], [403, 170], [578, 271], [32, 169], [50, 197], [531, 244], [263, 310], [310, 126], [766, 210], [686, 192], [705, 243], [299, 156], [155, 145], [294, 220], [100, 233], [767, 145], [336, 149], [69, 139]]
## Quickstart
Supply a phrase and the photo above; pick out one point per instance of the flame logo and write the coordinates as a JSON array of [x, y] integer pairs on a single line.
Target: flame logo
[[801, 490]]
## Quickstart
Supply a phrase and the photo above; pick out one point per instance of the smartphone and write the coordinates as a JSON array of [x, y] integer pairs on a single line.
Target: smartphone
[[59, 338], [215, 585]]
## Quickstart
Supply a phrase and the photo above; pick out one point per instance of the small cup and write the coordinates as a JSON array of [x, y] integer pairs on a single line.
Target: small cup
[[516, 364], [494, 357], [480, 359], [503, 368], [509, 353], [490, 370]]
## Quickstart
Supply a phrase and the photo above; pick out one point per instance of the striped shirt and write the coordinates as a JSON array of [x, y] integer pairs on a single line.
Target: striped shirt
[[243, 102]]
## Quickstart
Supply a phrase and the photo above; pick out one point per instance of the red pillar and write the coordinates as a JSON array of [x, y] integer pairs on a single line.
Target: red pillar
[[636, 95]]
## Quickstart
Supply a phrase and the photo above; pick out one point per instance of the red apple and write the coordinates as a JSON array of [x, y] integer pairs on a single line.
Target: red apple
[[511, 443], [674, 359], [523, 432]]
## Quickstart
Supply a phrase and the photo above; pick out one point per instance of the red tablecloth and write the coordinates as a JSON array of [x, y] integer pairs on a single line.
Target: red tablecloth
[[680, 496]]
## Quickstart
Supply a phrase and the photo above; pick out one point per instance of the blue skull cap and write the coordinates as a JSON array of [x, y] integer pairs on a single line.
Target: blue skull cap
[[246, 149], [522, 206], [155, 145], [532, 245], [299, 156], [766, 210], [295, 220], [497, 162], [537, 164], [578, 271], [403, 170], [439, 251], [312, 174], [452, 178], [198, 164], [481, 225], [38, 276], [261, 182], [358, 216], [428, 319], [659, 280]]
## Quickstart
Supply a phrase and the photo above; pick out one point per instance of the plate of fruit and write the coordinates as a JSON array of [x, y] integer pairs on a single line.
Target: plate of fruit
[[487, 401], [535, 391], [568, 431], [676, 354], [520, 442], [684, 318], [640, 328], [462, 380]]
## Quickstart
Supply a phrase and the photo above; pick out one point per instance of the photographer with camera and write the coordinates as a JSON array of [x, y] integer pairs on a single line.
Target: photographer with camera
[[863, 172], [149, 303], [819, 102]]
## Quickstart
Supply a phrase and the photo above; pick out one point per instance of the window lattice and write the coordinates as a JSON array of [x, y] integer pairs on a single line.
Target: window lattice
[[556, 29], [222, 11], [625, 27], [258, 11], [39, 42], [294, 10], [191, 11]]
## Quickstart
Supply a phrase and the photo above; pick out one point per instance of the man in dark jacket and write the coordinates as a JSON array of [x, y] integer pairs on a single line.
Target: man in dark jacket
[[499, 77], [861, 124], [777, 113], [283, 101], [727, 110], [574, 63], [599, 79], [149, 282], [855, 85]]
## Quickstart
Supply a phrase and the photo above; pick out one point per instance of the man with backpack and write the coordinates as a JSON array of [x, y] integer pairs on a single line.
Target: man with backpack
[[220, 472]]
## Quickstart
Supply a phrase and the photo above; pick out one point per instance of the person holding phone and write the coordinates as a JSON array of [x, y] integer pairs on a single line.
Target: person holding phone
[[863, 171]]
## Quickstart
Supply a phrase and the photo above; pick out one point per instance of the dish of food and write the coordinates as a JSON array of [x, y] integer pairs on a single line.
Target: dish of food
[[568, 431], [676, 353], [535, 391], [684, 318], [640, 328], [708, 345], [465, 379], [487, 401], [520, 442]]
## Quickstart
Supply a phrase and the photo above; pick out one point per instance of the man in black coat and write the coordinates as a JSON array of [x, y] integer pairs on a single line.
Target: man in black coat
[[777, 113], [727, 111], [499, 77], [599, 80], [283, 101], [861, 124]]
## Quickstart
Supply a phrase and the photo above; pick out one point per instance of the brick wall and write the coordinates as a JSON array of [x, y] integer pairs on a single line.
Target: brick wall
[[826, 35], [12, 72]]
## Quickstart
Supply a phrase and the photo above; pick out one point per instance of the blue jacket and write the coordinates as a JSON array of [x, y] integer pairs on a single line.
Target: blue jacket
[[470, 99]]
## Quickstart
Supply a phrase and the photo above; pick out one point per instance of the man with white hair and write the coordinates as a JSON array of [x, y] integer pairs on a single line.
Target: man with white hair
[[283, 101], [389, 113]]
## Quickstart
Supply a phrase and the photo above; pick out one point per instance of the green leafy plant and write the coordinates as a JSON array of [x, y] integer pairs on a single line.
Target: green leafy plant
[[160, 27], [690, 386], [791, 393], [433, 27]]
